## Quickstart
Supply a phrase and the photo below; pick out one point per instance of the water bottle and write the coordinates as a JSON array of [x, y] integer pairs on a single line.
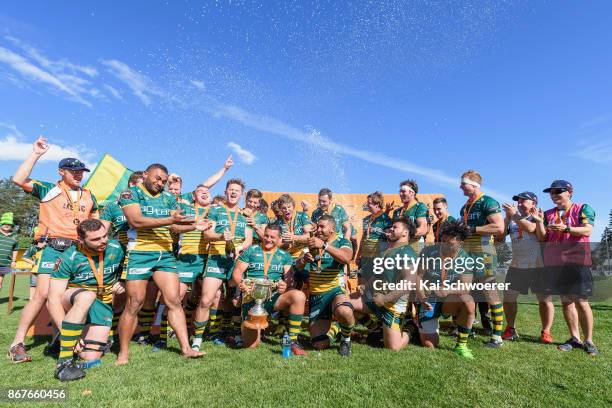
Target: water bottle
[[286, 345]]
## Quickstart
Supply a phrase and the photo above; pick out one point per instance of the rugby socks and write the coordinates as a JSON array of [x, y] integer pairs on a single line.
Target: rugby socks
[[70, 333], [145, 321], [226, 321], [345, 332], [462, 335], [497, 315], [334, 329], [213, 322], [295, 326], [198, 334], [163, 326], [113, 332]]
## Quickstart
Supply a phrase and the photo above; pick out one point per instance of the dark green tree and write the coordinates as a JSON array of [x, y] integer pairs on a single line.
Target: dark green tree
[[23, 206]]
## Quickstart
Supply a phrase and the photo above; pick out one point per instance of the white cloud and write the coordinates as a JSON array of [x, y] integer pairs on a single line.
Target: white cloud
[[68, 84], [142, 87], [198, 84], [276, 127], [113, 91], [12, 147], [246, 156], [598, 152], [55, 66]]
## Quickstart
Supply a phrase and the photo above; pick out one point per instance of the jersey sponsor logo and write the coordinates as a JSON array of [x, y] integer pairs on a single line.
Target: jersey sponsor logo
[[138, 271], [260, 266], [151, 210]]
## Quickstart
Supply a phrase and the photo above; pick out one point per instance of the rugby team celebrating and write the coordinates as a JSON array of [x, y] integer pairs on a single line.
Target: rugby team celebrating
[[189, 261]]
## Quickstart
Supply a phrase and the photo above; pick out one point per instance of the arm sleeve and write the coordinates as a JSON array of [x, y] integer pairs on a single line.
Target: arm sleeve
[[128, 197], [587, 215], [422, 211], [245, 255], [492, 207], [41, 188]]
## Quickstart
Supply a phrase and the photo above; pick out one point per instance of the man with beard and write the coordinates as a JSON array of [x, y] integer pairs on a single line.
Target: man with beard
[[63, 206], [80, 297], [229, 235], [390, 306], [150, 211], [327, 256], [482, 215], [267, 261]]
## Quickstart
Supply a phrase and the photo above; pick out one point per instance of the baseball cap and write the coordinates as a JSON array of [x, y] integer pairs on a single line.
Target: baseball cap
[[527, 195], [560, 184], [72, 164]]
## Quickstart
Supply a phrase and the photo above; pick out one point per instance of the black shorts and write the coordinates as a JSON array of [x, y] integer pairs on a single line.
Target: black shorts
[[574, 280], [522, 279]]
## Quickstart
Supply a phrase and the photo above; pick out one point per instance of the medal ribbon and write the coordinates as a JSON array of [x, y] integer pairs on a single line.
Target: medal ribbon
[[232, 221], [466, 214], [268, 260], [98, 272], [76, 204]]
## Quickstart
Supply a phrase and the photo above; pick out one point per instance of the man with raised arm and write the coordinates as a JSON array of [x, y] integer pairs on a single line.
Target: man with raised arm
[[63, 205]]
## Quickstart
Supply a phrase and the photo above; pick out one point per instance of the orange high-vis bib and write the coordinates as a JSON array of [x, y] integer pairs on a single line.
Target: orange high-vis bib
[[58, 216]]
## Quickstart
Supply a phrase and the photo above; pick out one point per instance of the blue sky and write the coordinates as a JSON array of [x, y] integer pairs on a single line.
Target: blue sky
[[355, 96]]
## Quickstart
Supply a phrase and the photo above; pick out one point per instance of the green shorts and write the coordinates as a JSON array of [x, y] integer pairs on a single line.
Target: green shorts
[[100, 314], [220, 267], [268, 305], [390, 319], [48, 259], [142, 264], [321, 304], [190, 267]]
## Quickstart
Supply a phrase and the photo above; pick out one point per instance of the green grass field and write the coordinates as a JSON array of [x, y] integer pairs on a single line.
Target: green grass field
[[523, 373]]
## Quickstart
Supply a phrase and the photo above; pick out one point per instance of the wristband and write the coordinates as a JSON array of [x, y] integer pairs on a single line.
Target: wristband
[[567, 229], [472, 230]]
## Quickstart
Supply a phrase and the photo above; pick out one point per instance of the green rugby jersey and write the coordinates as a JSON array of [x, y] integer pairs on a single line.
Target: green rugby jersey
[[254, 256], [260, 219], [331, 271], [296, 226], [475, 215], [8, 244], [416, 210], [192, 242], [438, 225], [337, 211], [433, 265], [374, 226], [395, 275], [158, 206], [221, 215], [113, 214], [74, 267]]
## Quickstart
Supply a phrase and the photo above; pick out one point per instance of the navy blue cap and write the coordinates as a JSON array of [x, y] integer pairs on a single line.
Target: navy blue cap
[[71, 163], [560, 184], [527, 195]]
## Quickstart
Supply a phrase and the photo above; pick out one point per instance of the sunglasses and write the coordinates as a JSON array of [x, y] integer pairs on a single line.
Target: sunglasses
[[558, 190]]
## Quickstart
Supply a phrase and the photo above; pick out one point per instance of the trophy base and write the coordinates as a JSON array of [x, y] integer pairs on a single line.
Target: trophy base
[[256, 322]]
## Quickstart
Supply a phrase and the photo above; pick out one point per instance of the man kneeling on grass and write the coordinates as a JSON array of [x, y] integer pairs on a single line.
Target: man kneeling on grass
[[446, 263], [267, 261], [80, 298]]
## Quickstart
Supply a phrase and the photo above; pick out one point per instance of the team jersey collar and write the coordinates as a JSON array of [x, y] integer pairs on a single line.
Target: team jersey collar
[[144, 190]]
